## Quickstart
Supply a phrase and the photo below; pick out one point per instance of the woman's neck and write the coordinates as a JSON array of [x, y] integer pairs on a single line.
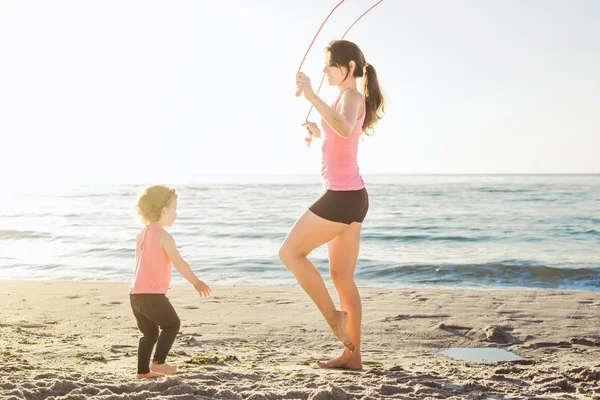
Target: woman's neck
[[348, 84]]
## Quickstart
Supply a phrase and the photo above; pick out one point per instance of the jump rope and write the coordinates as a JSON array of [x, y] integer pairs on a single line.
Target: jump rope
[[298, 92]]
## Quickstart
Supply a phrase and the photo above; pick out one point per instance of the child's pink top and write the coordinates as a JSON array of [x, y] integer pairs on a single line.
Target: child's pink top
[[339, 156], [152, 265]]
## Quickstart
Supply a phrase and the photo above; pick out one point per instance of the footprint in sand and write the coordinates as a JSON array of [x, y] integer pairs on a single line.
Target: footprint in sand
[[585, 342], [575, 316], [199, 324], [190, 307], [401, 317], [455, 329], [118, 348], [112, 303], [398, 317], [73, 296], [46, 375], [26, 324], [539, 345], [586, 301]]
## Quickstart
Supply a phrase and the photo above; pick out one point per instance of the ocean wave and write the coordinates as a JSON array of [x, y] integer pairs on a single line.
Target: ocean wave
[[423, 238], [492, 190], [17, 234], [489, 274], [248, 235], [108, 252]]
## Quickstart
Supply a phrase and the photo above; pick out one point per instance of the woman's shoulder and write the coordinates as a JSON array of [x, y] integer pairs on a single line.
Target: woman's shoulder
[[351, 95]]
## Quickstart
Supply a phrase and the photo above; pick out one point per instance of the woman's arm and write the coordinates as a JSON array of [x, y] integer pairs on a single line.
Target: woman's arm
[[341, 122]]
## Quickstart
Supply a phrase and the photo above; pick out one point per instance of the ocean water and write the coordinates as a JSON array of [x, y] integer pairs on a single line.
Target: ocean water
[[447, 231]]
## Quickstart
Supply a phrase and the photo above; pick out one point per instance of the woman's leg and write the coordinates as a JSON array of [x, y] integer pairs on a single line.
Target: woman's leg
[[309, 232], [343, 252]]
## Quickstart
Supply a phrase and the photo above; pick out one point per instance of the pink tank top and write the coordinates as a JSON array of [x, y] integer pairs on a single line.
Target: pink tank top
[[339, 163], [152, 265]]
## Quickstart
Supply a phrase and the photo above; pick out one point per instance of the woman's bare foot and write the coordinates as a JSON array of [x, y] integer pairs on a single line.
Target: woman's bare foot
[[339, 329], [163, 368], [149, 375], [347, 360]]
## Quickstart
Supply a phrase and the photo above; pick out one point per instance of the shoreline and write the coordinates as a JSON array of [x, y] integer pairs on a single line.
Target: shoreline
[[330, 286]]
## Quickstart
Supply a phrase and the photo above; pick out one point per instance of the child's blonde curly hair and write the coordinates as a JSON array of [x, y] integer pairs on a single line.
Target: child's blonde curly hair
[[153, 201]]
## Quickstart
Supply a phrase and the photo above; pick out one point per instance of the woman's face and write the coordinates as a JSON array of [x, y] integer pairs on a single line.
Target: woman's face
[[335, 75]]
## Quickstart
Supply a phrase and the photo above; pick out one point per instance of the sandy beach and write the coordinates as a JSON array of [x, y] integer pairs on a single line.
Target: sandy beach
[[73, 340]]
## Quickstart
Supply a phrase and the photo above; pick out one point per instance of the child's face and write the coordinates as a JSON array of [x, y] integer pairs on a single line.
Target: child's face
[[170, 214]]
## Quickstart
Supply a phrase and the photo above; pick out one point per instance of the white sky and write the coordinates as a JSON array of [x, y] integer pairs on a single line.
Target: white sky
[[127, 91]]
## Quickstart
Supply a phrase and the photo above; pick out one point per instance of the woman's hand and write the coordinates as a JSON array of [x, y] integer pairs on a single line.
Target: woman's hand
[[312, 129], [303, 85]]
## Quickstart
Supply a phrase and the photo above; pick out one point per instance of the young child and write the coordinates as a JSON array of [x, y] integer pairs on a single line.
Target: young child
[[155, 251]]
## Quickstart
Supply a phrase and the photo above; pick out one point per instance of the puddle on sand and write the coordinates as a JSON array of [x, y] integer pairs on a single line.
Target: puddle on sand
[[486, 354]]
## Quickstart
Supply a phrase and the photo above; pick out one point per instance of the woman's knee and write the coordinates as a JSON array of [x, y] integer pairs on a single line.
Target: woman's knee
[[341, 278], [287, 254], [283, 253]]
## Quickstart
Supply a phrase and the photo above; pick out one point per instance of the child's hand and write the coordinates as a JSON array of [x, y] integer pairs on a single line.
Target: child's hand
[[202, 288]]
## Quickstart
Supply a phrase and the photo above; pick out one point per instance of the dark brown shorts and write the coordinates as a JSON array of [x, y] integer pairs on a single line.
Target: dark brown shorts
[[346, 206]]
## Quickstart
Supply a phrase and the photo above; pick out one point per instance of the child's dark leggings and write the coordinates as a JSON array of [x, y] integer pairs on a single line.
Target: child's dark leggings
[[153, 311]]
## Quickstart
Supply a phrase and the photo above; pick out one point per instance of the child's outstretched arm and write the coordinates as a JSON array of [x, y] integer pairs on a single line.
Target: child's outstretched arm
[[168, 244]]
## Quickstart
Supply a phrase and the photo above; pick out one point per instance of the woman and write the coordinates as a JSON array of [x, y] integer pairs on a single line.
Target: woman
[[336, 218]]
